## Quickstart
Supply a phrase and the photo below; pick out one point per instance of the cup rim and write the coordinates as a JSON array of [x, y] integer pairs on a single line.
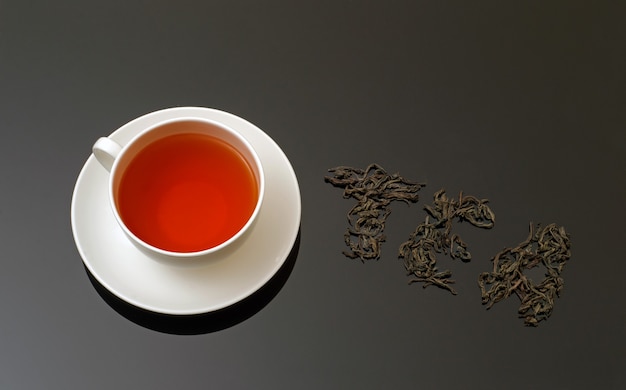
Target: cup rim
[[175, 254]]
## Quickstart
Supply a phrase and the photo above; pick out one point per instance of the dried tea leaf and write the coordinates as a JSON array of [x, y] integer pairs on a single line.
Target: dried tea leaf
[[374, 189], [548, 246], [429, 238]]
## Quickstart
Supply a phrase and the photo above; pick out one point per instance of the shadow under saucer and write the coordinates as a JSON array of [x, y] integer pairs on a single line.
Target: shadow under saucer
[[202, 323]]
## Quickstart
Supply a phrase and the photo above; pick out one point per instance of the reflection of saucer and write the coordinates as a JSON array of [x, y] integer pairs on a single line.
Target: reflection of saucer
[[223, 279]]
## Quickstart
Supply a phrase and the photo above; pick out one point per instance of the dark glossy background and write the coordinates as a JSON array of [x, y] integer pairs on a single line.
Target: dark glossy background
[[522, 103]]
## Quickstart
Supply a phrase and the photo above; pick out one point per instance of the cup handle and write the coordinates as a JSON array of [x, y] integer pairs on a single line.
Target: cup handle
[[106, 151]]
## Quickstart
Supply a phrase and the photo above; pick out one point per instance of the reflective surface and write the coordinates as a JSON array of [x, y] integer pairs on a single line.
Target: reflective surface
[[519, 104]]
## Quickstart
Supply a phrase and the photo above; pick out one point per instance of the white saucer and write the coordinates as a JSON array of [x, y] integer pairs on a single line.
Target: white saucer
[[228, 276]]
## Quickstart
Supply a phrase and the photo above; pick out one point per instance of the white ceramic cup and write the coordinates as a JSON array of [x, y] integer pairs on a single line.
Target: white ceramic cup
[[116, 159]]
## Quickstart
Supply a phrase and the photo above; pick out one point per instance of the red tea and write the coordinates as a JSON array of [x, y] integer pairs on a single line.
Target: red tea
[[187, 192]]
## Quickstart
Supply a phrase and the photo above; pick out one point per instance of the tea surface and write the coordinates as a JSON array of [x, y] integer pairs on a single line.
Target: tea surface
[[187, 193]]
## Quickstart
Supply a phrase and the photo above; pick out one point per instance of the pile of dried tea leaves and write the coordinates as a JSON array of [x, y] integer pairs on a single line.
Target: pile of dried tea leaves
[[548, 246], [374, 189], [432, 237]]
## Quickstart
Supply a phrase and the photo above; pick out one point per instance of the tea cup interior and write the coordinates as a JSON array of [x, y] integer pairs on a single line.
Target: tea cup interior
[[156, 233]]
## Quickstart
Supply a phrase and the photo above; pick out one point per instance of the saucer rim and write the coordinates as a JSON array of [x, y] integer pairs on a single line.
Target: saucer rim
[[294, 218]]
